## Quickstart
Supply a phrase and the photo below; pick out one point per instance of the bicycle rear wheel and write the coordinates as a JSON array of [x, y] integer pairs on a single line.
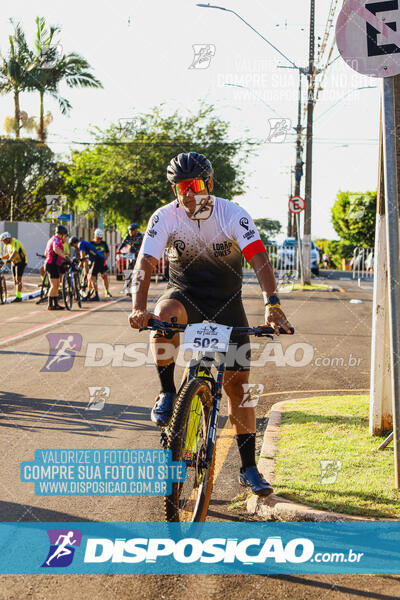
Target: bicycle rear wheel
[[44, 289], [3, 290], [187, 440], [77, 289], [68, 291]]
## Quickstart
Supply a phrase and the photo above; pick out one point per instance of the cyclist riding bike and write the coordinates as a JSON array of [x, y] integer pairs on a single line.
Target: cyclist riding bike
[[55, 260], [92, 260], [133, 240], [205, 237], [102, 245], [15, 252]]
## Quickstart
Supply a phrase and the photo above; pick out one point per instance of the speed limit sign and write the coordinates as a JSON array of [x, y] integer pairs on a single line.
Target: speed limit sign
[[297, 204]]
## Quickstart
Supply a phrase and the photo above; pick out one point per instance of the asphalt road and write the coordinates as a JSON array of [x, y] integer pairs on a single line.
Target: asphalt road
[[41, 408]]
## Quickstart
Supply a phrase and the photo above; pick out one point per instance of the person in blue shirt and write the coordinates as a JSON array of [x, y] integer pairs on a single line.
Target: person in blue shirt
[[93, 261]]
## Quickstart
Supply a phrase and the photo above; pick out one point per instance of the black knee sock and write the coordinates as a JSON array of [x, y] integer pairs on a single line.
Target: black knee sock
[[247, 448], [166, 375]]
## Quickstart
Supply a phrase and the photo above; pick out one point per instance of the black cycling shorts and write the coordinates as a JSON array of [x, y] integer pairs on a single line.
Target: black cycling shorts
[[104, 269], [18, 268], [96, 266], [228, 312], [54, 270]]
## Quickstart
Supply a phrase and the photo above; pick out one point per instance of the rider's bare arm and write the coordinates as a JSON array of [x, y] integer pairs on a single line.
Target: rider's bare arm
[[265, 273], [141, 278], [58, 251], [274, 317]]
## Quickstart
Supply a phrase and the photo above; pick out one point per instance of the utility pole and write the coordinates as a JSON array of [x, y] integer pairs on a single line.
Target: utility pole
[[308, 184], [299, 160]]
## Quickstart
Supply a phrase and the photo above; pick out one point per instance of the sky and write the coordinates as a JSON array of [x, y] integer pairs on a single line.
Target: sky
[[142, 52]]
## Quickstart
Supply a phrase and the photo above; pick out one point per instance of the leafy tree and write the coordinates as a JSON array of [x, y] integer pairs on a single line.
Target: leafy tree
[[339, 249], [28, 172], [268, 228], [15, 71], [124, 174], [52, 68], [321, 244], [353, 217]]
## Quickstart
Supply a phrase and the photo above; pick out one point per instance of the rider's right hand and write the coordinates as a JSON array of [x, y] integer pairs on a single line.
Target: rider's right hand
[[140, 318]]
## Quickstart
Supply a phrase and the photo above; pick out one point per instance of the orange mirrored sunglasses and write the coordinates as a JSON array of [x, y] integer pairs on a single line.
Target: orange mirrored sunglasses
[[196, 185]]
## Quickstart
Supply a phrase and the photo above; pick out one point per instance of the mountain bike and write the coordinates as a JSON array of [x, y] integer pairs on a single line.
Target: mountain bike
[[45, 286], [191, 433], [131, 258], [84, 285], [71, 286], [3, 284]]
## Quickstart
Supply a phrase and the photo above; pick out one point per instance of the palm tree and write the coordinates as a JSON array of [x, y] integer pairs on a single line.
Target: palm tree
[[15, 69], [54, 67]]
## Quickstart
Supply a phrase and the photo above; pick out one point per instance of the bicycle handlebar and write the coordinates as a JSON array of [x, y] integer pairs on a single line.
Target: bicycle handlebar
[[170, 327]]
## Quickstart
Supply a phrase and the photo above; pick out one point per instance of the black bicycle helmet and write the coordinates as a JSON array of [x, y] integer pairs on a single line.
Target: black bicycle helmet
[[62, 230], [133, 226], [189, 166], [73, 240]]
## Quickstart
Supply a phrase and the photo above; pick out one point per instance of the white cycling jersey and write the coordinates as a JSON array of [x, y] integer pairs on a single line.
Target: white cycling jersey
[[205, 256]]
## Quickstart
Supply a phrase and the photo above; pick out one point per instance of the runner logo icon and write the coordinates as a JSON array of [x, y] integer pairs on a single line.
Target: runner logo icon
[[62, 351], [62, 550], [98, 396]]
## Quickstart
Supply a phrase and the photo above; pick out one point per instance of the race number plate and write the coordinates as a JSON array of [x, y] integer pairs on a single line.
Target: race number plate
[[209, 337]]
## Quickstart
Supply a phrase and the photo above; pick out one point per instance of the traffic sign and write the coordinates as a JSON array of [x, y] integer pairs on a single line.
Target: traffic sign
[[64, 217], [297, 204], [368, 36]]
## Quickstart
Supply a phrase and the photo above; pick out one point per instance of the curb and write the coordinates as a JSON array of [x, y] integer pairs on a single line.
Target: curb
[[275, 508], [25, 297]]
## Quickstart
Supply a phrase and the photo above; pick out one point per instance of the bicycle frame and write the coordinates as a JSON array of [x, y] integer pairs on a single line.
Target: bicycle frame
[[205, 360]]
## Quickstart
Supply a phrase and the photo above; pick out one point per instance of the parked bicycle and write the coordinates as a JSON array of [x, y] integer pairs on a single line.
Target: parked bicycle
[[45, 285], [71, 285], [3, 284], [191, 433], [131, 258]]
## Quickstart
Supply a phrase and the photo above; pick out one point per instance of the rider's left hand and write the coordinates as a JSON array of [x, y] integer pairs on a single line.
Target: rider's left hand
[[275, 317]]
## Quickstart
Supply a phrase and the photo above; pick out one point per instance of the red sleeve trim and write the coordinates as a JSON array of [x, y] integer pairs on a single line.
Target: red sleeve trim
[[252, 249]]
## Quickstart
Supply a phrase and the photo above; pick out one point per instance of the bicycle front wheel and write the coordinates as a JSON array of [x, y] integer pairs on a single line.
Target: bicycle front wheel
[[188, 433], [44, 290], [3, 290], [68, 291], [77, 289]]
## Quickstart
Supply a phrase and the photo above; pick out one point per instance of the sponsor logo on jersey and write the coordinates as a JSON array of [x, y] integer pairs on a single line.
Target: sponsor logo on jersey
[[222, 248], [244, 222], [151, 233], [179, 246], [249, 234]]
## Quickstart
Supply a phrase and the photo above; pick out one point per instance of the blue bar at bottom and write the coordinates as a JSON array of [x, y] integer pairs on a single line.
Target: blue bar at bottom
[[206, 548]]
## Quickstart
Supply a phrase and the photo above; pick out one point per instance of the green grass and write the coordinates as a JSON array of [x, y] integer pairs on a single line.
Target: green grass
[[335, 428]]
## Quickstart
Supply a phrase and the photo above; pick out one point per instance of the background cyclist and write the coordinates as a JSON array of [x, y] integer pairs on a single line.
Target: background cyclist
[[54, 261], [133, 241], [206, 237], [101, 244], [15, 252], [92, 260]]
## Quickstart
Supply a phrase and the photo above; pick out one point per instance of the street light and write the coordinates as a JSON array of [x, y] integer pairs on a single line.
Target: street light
[[251, 27], [302, 71], [364, 87], [245, 87]]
